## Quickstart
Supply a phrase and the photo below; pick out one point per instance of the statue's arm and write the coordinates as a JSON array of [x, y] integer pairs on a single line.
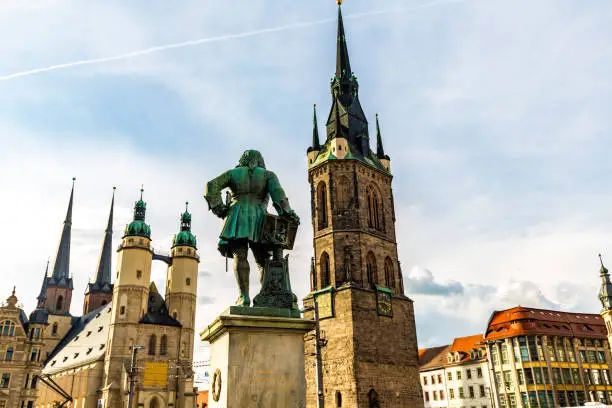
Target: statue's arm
[[212, 193], [279, 198]]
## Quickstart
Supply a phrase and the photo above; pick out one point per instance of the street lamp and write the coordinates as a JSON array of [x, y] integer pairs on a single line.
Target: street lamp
[[133, 375]]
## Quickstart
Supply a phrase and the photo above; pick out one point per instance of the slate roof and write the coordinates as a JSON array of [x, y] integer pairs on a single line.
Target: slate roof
[[85, 341], [157, 310]]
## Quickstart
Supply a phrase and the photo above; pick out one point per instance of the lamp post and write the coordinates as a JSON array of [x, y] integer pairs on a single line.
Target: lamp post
[[133, 375]]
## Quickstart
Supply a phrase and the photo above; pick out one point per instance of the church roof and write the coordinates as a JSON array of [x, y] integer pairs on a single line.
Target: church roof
[[85, 341], [157, 310], [433, 358]]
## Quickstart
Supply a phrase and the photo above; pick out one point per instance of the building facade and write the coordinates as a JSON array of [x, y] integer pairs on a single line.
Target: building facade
[[456, 375], [546, 358], [21, 346], [370, 358], [88, 359]]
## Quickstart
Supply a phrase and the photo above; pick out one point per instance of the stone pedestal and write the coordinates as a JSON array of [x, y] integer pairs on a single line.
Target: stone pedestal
[[256, 361]]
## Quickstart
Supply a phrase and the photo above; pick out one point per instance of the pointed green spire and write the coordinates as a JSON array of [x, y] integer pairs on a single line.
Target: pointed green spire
[[343, 64], [61, 268], [185, 237], [138, 227]]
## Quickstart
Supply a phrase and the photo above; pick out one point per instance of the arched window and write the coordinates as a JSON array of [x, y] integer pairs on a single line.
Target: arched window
[[154, 403], [389, 274], [163, 345], [7, 328], [371, 273], [374, 209], [338, 399], [343, 193], [54, 329], [322, 205], [324, 265], [152, 344], [313, 275], [9, 354], [59, 303], [373, 399]]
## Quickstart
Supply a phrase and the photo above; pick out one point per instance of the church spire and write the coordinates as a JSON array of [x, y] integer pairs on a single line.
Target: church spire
[[138, 227], [380, 151], [316, 145], [605, 293], [61, 268], [103, 275], [43, 290], [343, 64]]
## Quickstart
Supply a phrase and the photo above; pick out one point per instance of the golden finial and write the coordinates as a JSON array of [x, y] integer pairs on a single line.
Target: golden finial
[[339, 2]]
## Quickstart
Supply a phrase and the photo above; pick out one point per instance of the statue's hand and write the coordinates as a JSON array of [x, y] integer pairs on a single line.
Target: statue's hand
[[292, 216], [220, 211]]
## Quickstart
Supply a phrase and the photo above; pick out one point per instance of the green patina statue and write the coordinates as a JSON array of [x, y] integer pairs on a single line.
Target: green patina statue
[[248, 225]]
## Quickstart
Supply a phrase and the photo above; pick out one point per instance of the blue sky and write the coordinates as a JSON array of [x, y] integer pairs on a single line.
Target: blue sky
[[495, 115]]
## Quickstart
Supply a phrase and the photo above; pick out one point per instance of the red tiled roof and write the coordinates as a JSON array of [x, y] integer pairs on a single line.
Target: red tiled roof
[[519, 321], [434, 357], [464, 346]]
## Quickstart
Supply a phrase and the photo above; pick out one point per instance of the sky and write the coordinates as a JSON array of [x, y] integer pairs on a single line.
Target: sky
[[495, 115]]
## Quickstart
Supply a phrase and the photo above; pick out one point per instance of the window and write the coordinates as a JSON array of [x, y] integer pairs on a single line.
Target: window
[[163, 345], [451, 393], [5, 381], [138, 274], [433, 379], [152, 344], [54, 329], [375, 219], [343, 193], [449, 375], [441, 395], [59, 303], [461, 392], [479, 372], [469, 373], [426, 395], [322, 205], [7, 329], [471, 391], [458, 374], [371, 269], [439, 378], [504, 353], [389, 275], [324, 265], [482, 391], [37, 333], [338, 399], [508, 379], [435, 395], [33, 355], [9, 354], [522, 342], [188, 281], [424, 380], [3, 404]]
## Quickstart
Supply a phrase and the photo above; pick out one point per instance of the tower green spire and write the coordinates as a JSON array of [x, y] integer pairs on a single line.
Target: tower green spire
[[185, 237], [138, 227], [316, 145], [380, 151]]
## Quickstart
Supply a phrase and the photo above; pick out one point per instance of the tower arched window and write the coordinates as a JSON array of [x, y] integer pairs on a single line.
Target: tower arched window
[[54, 329], [324, 265], [374, 209], [163, 345], [322, 204], [59, 303], [152, 344], [338, 399], [9, 354], [371, 273], [389, 273], [7, 328], [154, 403]]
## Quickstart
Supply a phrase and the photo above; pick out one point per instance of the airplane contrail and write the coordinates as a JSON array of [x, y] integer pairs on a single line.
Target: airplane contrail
[[199, 41]]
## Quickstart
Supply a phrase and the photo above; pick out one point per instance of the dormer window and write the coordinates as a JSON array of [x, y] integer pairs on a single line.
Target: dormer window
[[450, 358]]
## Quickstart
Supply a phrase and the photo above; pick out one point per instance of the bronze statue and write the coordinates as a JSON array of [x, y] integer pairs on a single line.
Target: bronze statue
[[248, 225]]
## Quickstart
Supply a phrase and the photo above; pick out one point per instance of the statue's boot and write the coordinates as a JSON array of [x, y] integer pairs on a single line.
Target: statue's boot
[[241, 270]]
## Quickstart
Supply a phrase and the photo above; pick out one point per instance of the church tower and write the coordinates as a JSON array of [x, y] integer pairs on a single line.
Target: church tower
[[370, 357], [181, 291], [130, 297], [605, 297], [56, 292], [100, 292]]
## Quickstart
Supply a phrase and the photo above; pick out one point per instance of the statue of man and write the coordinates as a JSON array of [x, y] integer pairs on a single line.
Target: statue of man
[[251, 186]]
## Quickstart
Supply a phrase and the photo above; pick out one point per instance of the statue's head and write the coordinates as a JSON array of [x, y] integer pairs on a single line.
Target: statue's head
[[251, 159]]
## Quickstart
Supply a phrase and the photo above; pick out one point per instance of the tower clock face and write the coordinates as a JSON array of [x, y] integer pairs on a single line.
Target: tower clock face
[[383, 302]]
